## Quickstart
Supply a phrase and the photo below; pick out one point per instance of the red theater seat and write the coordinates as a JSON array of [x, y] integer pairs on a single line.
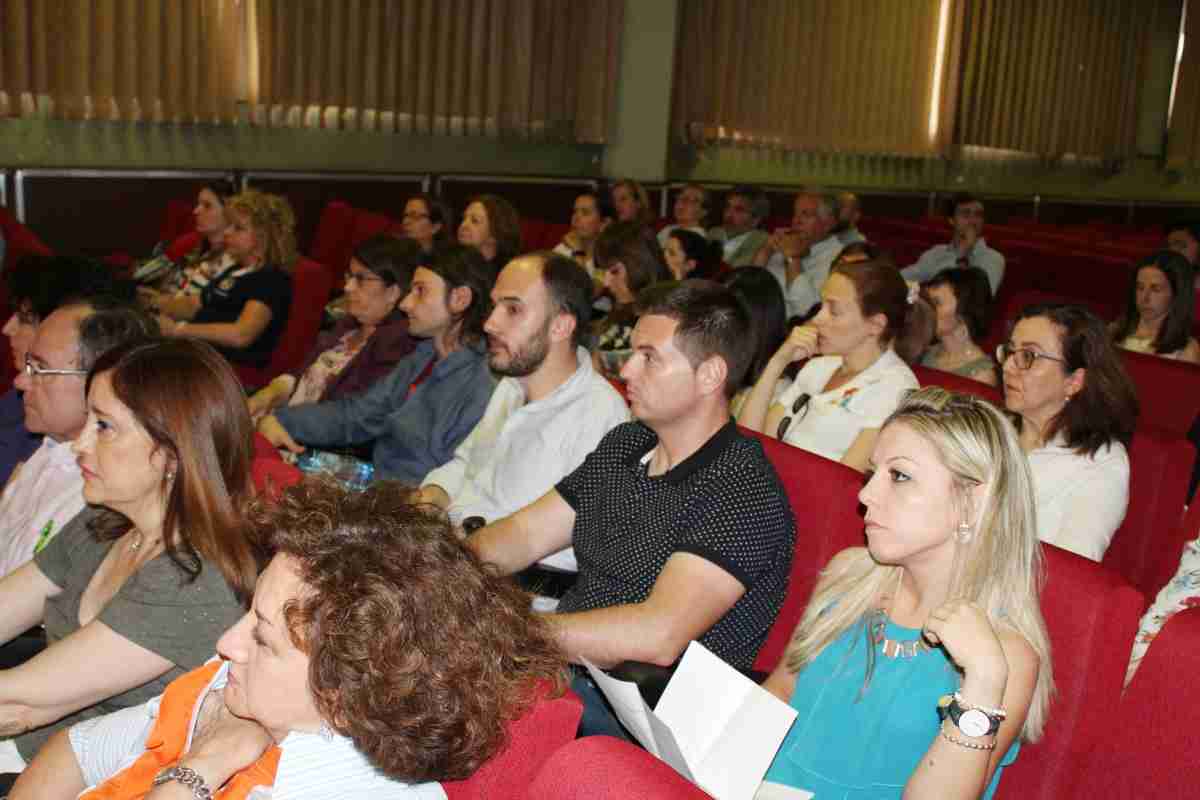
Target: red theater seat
[[1168, 392], [178, 219], [604, 768], [182, 245], [928, 376], [273, 475], [331, 243]]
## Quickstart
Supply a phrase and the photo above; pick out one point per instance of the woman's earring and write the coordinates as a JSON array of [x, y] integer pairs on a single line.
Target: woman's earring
[[964, 533], [170, 476]]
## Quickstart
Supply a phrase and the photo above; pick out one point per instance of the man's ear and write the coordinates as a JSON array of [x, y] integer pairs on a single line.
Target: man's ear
[[711, 375], [562, 327], [460, 299]]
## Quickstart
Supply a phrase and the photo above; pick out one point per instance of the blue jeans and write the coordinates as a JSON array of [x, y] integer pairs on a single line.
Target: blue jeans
[[598, 717]]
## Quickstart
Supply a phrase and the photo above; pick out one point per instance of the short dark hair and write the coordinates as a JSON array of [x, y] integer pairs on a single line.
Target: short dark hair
[[570, 290], [223, 188], [111, 323], [635, 246], [961, 199], [459, 265], [972, 296], [439, 214], [706, 253], [603, 200], [760, 204], [761, 294], [393, 260], [712, 321], [1176, 330], [45, 283], [1191, 226], [1106, 409]]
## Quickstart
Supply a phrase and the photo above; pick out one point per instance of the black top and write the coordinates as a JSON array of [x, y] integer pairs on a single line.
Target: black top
[[224, 298], [723, 503]]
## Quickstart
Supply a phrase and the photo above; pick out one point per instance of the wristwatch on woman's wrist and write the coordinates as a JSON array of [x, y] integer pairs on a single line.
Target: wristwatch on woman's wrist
[[974, 722]]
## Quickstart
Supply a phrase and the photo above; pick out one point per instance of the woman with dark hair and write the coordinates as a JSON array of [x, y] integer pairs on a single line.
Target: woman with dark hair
[[356, 674], [870, 324], [368, 343], [961, 298], [690, 255], [1075, 409], [492, 226], [628, 255], [1159, 312], [427, 221], [760, 293], [631, 202], [136, 589]]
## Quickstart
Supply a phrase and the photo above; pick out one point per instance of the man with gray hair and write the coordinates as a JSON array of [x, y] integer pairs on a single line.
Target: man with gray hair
[[801, 256]]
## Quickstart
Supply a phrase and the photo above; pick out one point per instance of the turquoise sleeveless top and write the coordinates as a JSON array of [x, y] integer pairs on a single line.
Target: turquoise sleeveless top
[[846, 747]]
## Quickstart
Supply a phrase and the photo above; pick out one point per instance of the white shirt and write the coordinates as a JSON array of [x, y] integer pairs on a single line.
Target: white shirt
[[945, 256], [518, 451], [804, 292], [834, 419], [44, 493], [1081, 499], [310, 766]]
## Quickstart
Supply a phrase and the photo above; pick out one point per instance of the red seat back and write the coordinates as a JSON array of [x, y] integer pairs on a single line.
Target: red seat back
[[1145, 549], [331, 243], [824, 499], [273, 475], [182, 245], [366, 224], [928, 376], [1168, 391], [604, 768], [1092, 615], [178, 219], [533, 740], [1149, 746]]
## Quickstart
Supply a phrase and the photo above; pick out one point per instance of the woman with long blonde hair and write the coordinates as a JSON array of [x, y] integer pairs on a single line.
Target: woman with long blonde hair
[[922, 660]]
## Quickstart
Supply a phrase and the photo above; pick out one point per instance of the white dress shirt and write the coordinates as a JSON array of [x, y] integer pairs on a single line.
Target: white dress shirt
[[1081, 500], [945, 256], [44, 493], [804, 291], [520, 450]]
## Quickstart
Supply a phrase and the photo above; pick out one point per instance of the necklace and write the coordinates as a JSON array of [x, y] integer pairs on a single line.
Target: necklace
[[136, 543], [890, 647]]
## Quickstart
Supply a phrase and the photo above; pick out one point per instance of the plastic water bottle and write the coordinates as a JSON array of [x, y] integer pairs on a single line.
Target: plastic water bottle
[[351, 472]]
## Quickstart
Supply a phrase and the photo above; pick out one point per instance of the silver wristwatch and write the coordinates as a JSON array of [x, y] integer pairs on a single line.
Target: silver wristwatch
[[185, 776]]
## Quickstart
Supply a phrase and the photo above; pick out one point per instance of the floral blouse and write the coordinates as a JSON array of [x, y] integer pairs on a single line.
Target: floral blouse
[[1182, 591], [327, 367]]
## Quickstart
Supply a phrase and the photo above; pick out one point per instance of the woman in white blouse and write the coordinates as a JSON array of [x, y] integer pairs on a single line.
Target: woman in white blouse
[[1159, 312], [1076, 410], [870, 323]]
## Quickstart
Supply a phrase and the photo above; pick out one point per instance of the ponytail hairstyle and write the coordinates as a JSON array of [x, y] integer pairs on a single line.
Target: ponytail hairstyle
[[882, 290]]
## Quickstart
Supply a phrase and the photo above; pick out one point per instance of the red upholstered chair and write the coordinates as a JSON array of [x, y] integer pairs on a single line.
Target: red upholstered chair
[[331, 242], [272, 475], [182, 245], [604, 768], [1145, 550], [1168, 391], [366, 224], [19, 241], [311, 285], [178, 219], [1092, 615], [1150, 743], [824, 499], [928, 376], [533, 739]]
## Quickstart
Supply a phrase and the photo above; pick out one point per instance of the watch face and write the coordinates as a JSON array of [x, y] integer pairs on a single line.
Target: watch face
[[974, 723]]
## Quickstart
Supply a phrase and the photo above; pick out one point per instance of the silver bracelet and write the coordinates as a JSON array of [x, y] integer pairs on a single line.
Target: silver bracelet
[[965, 743], [185, 776]]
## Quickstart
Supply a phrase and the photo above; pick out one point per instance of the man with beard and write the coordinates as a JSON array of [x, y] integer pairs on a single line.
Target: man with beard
[[550, 410]]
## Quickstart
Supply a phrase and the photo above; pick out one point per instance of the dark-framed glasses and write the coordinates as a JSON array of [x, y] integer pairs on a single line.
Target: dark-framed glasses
[[33, 370], [362, 278], [799, 412], [1023, 357]]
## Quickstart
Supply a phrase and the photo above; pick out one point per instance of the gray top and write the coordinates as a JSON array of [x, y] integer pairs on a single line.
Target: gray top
[[157, 609]]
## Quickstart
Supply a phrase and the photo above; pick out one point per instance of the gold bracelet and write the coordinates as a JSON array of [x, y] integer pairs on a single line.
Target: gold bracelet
[[966, 744]]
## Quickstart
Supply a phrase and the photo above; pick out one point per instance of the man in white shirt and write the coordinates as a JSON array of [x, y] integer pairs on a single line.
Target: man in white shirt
[[801, 256], [546, 415], [966, 249], [46, 490], [746, 207]]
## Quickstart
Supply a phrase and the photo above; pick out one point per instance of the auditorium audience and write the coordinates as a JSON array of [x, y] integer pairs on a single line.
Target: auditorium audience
[[961, 300], [492, 226], [679, 523], [419, 413], [135, 590], [208, 258], [746, 209], [849, 212], [967, 247], [1075, 409], [800, 256], [690, 210], [763, 300], [691, 255], [631, 260], [631, 202], [592, 213], [242, 311], [364, 346], [441, 656], [427, 221], [869, 326], [937, 616], [548, 412], [1160, 309]]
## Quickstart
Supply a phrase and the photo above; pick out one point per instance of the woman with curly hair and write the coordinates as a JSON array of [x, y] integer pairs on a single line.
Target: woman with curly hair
[[493, 227], [242, 311], [358, 672]]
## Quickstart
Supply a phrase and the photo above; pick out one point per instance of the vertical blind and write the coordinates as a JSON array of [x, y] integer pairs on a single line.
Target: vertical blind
[[1183, 137]]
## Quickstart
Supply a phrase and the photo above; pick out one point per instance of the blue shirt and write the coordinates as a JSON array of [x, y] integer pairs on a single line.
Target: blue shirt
[[16, 442], [415, 428]]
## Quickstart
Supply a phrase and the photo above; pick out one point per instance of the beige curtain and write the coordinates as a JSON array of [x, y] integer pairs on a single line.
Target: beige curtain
[[525, 68], [1183, 138], [161, 60], [818, 75], [1052, 77]]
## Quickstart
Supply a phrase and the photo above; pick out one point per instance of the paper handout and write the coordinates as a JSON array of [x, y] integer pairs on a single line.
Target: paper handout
[[715, 726]]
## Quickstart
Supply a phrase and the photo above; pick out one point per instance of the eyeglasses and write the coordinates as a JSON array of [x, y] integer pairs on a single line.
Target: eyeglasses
[[799, 411], [1024, 357], [361, 278], [33, 370]]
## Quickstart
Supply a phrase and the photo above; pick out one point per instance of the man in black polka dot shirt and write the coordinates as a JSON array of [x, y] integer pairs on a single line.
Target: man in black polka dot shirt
[[680, 525]]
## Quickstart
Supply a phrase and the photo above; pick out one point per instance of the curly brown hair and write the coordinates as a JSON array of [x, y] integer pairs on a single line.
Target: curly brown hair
[[273, 221], [418, 652]]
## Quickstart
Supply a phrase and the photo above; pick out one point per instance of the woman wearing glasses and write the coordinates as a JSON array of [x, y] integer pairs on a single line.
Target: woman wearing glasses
[[870, 323], [427, 222], [1076, 410], [364, 346]]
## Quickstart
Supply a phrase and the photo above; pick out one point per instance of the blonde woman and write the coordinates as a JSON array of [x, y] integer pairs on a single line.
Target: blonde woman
[[936, 619], [243, 309]]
